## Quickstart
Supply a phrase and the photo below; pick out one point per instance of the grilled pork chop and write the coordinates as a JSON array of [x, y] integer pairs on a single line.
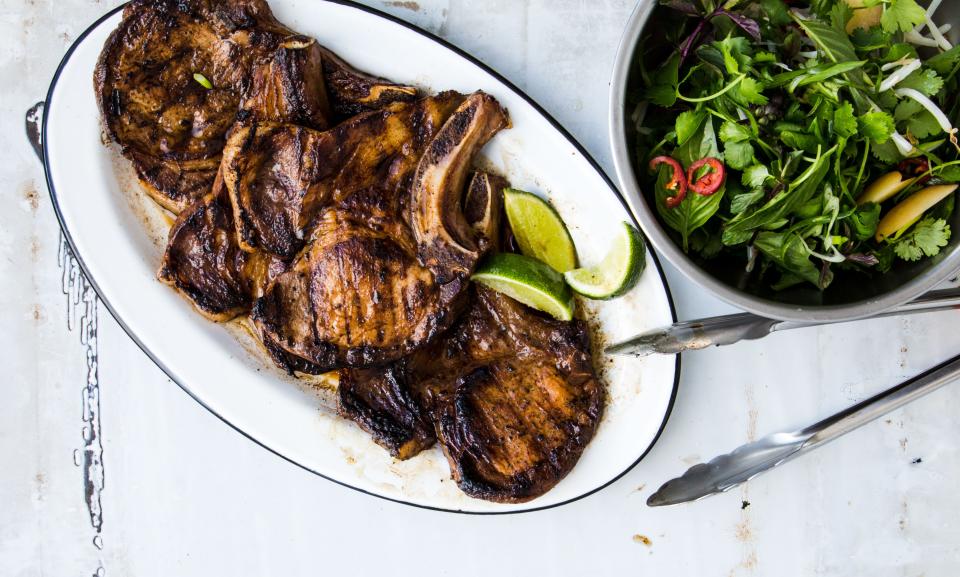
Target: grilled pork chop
[[204, 262], [379, 399], [358, 295], [173, 128], [281, 177], [512, 396]]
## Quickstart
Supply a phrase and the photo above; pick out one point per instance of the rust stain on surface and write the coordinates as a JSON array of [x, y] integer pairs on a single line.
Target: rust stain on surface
[[31, 196], [642, 539], [414, 6]]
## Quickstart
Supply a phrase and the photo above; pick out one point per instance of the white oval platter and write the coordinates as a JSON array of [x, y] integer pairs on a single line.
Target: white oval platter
[[117, 235]]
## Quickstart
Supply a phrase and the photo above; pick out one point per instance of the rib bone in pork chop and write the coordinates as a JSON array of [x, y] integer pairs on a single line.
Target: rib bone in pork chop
[[172, 127], [512, 396], [358, 294], [379, 400]]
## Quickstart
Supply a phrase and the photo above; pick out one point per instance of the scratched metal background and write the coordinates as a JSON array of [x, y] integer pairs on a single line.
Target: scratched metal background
[[107, 468]]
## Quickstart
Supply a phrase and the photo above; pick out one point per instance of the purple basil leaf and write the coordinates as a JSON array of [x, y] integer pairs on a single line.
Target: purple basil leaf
[[749, 25], [685, 6], [692, 41], [864, 259]]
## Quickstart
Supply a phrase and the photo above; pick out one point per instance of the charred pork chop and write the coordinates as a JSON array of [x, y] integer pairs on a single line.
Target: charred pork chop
[[379, 399], [358, 295], [512, 396], [204, 262], [281, 177], [173, 76]]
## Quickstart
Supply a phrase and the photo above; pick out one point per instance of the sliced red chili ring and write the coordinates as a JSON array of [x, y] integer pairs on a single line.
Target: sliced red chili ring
[[677, 183], [915, 167], [711, 181]]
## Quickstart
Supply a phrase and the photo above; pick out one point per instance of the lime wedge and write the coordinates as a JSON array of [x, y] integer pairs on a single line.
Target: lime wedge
[[539, 230], [619, 271], [528, 281]]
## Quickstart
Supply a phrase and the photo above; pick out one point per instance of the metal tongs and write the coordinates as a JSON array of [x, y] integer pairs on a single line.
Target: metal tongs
[[730, 329], [746, 462]]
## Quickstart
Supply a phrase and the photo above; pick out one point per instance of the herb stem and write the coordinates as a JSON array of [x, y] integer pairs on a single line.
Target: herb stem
[[715, 95]]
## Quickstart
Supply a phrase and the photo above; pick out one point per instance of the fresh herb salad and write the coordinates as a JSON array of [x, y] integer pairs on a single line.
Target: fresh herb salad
[[805, 137]]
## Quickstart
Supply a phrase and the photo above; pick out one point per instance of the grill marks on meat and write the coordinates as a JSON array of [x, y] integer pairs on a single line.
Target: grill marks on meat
[[358, 294], [204, 262], [380, 402], [512, 395], [513, 423], [445, 242], [353, 92], [280, 177], [171, 127]]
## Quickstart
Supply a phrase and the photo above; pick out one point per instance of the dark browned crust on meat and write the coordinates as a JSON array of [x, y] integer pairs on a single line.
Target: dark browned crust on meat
[[446, 243], [204, 262], [173, 129], [380, 402], [356, 297], [513, 395], [281, 177], [352, 91]]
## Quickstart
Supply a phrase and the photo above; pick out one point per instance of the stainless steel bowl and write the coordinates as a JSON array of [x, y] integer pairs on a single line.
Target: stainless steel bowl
[[849, 297]]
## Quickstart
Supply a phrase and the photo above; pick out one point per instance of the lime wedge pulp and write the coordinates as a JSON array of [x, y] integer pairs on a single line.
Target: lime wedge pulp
[[539, 230], [528, 281], [619, 271]]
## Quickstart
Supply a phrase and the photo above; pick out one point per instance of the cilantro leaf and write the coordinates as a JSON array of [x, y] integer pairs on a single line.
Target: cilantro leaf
[[923, 125], [663, 90], [925, 239], [748, 91], [886, 153], [902, 15], [863, 222], [945, 62], [925, 81], [877, 126], [844, 121]]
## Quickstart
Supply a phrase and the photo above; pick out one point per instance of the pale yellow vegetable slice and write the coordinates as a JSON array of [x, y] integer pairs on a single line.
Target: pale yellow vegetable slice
[[885, 188], [912, 208], [865, 18]]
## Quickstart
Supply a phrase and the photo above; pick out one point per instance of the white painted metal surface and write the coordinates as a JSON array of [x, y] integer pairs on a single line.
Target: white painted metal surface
[[182, 494]]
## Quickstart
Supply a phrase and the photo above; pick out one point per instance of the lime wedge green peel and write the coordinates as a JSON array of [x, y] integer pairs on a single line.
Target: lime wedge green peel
[[619, 271], [539, 231], [529, 281]]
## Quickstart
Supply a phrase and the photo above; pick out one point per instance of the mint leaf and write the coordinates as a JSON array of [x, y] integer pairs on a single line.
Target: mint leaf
[[832, 41], [877, 126], [738, 155], [733, 132], [902, 15], [926, 238], [755, 176], [844, 121]]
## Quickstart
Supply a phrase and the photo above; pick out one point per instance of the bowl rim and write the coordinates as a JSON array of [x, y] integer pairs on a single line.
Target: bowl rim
[[661, 241]]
